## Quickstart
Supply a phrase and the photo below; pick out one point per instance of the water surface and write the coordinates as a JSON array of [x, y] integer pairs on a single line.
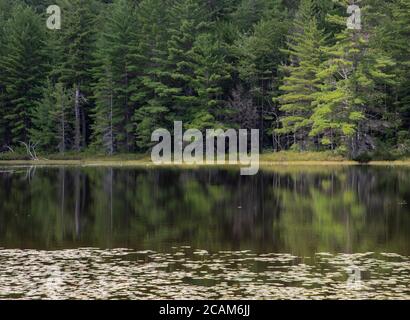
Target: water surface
[[289, 232]]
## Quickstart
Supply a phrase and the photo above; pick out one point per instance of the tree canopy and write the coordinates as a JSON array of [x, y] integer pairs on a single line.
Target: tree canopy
[[117, 70]]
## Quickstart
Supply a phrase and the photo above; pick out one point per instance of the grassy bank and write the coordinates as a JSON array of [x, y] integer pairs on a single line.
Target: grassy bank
[[266, 159]]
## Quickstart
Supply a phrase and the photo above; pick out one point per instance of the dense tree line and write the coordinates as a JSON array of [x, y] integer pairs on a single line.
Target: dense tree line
[[118, 70]]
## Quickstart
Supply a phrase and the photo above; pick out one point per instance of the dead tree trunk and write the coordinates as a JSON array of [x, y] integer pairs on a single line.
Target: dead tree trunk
[[83, 128], [77, 202], [63, 138], [62, 209], [111, 125], [77, 123], [31, 150]]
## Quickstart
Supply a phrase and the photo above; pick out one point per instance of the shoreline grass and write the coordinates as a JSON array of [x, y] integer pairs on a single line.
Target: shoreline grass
[[285, 158]]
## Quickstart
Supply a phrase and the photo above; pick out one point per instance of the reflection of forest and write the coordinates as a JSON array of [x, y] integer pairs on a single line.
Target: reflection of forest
[[352, 209]]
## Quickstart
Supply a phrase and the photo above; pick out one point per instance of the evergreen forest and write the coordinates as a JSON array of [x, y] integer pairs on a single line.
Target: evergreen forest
[[118, 70]]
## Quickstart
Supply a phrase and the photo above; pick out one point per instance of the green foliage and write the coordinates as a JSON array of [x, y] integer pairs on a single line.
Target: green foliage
[[23, 72], [302, 82], [118, 70], [353, 81], [258, 60], [395, 40], [52, 123], [77, 39], [113, 111], [150, 90]]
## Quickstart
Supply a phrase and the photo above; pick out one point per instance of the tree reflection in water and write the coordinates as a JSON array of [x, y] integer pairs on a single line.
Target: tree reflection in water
[[300, 211]]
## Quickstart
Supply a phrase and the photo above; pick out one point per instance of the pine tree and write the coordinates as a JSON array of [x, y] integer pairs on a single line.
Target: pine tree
[[250, 12], [43, 125], [39, 5], [186, 24], [257, 60], [221, 9], [105, 126], [51, 120], [211, 76], [301, 84], [168, 74], [353, 76], [396, 41], [113, 74], [4, 9], [119, 69], [23, 71], [151, 93], [78, 38]]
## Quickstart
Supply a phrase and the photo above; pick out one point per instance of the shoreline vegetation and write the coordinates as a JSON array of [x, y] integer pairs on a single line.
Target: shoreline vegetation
[[285, 158]]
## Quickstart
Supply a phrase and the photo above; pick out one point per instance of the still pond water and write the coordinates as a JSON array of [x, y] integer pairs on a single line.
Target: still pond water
[[127, 233]]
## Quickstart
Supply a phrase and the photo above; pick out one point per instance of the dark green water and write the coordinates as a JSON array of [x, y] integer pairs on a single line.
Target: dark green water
[[297, 232]]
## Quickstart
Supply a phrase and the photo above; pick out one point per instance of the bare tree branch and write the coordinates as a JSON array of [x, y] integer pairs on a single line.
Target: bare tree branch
[[9, 148], [30, 148]]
